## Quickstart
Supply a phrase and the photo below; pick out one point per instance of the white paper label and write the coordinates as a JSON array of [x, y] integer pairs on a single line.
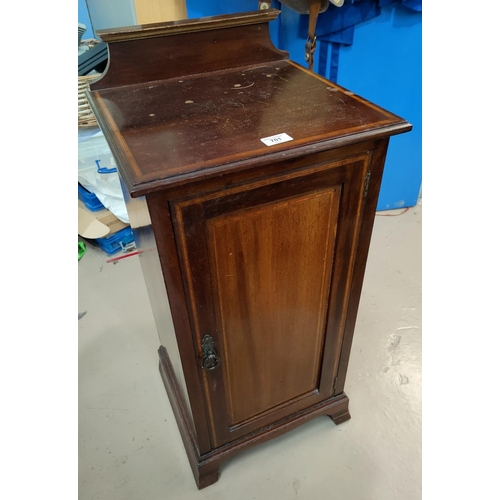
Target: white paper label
[[276, 139]]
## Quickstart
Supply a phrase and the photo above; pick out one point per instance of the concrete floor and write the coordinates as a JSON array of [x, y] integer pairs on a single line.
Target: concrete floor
[[129, 445]]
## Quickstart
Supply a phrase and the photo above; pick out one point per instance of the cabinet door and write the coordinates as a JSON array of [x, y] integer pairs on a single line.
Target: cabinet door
[[267, 270]]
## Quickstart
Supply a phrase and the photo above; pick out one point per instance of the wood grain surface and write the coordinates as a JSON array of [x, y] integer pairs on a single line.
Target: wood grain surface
[[272, 267]]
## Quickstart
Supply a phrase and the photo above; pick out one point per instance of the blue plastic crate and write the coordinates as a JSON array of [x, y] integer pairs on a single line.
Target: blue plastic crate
[[90, 200], [113, 244]]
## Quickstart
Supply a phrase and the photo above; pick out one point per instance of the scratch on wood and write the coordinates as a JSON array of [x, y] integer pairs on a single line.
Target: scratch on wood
[[270, 75], [239, 87]]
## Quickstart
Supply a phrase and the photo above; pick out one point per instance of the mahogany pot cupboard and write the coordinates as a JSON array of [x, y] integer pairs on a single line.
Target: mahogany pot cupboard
[[251, 185]]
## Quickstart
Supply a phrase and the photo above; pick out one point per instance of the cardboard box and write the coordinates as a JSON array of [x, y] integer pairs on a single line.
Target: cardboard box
[[99, 224]]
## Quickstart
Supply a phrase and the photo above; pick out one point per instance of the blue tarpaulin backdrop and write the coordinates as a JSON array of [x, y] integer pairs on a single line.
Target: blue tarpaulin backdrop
[[372, 47]]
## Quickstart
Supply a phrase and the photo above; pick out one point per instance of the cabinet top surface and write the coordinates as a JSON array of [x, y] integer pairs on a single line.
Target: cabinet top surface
[[180, 129]]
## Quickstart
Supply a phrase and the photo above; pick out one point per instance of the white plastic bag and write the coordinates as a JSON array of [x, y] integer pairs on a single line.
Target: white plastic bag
[[97, 172]]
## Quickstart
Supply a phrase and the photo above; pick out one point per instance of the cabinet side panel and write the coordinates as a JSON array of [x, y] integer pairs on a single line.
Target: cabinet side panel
[[368, 216], [169, 273], [146, 244]]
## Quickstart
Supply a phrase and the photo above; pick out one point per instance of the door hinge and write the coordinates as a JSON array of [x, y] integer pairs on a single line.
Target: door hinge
[[334, 384], [367, 182]]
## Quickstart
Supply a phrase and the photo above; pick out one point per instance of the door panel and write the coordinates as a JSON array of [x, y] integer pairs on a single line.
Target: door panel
[[263, 314], [267, 271]]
